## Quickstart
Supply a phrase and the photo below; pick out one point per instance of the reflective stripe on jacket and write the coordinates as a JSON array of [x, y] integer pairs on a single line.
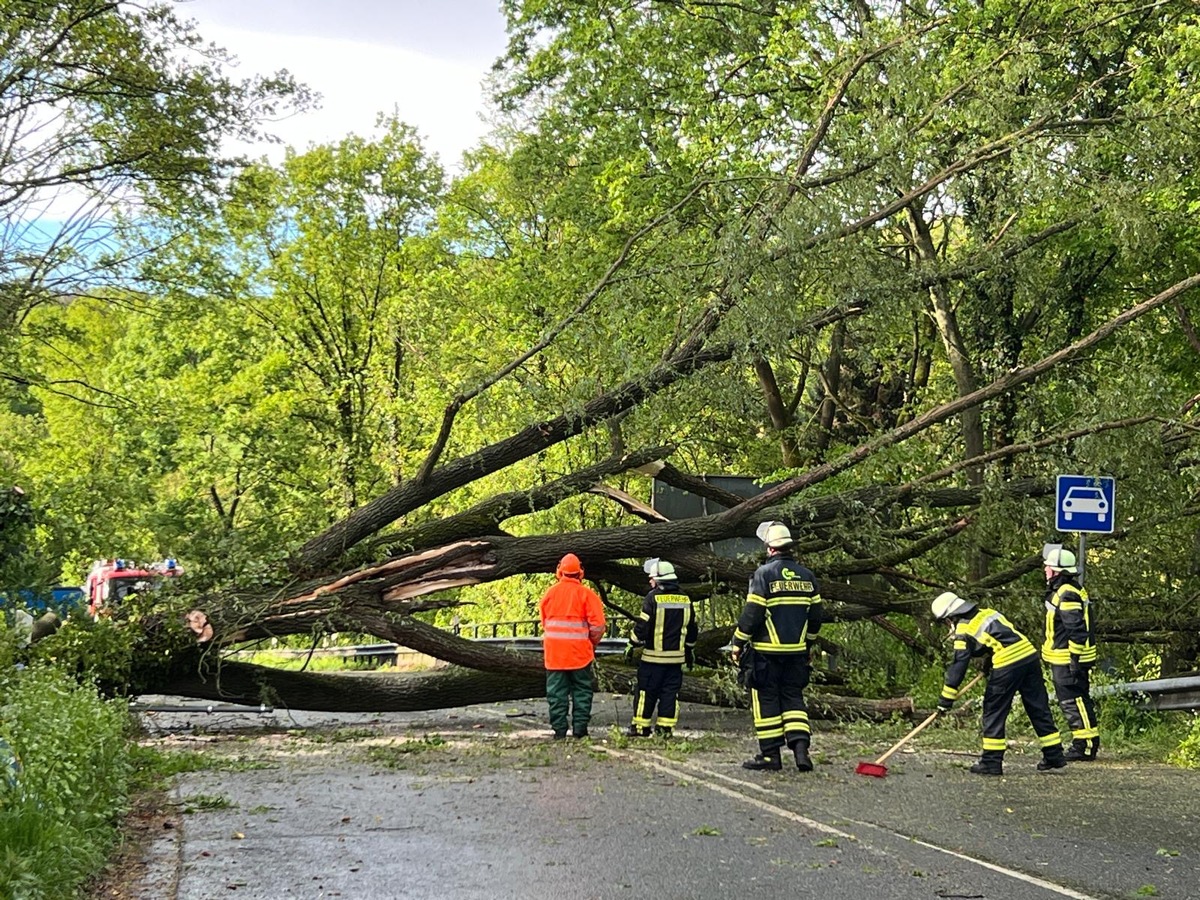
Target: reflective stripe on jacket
[[572, 624], [987, 633], [783, 607], [665, 626], [1068, 623]]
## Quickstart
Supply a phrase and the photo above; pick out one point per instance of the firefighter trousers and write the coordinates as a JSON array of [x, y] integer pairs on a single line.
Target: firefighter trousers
[[658, 685], [1074, 694], [1024, 678], [569, 696], [777, 700]]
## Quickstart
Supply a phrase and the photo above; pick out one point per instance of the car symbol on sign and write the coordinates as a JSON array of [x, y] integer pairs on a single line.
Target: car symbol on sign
[[1085, 500]]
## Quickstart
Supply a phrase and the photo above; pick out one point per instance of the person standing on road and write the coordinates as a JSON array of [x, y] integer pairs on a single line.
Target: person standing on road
[[665, 631], [572, 626], [783, 609], [1071, 651], [1011, 662]]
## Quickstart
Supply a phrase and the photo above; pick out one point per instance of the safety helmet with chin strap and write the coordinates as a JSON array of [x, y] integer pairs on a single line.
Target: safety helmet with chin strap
[[659, 569], [947, 605], [1060, 560], [775, 535]]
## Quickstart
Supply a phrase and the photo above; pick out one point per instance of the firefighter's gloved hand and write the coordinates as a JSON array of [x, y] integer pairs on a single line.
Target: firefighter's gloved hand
[[689, 657], [987, 667], [628, 654], [944, 705], [1073, 668]]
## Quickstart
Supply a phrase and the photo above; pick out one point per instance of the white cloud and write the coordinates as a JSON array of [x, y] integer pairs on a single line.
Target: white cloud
[[413, 66]]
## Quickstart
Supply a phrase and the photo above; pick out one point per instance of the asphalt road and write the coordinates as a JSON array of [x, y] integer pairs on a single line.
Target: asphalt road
[[479, 803]]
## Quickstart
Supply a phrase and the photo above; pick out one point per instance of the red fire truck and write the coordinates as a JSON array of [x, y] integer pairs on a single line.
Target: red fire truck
[[112, 580]]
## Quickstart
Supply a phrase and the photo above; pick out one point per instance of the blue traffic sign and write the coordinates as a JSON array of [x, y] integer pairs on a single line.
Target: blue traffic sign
[[1085, 503]]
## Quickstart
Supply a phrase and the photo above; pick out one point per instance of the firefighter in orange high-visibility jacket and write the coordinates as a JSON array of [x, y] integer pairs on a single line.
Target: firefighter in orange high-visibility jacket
[[1070, 650], [1011, 662], [665, 632], [572, 626], [771, 641]]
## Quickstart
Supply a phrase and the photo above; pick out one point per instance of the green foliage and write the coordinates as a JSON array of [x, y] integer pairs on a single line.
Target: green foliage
[[203, 802], [876, 664], [399, 755], [113, 105], [57, 824], [98, 651], [1187, 754]]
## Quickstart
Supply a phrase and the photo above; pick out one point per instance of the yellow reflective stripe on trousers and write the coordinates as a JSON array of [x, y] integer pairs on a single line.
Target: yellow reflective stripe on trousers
[[1089, 729]]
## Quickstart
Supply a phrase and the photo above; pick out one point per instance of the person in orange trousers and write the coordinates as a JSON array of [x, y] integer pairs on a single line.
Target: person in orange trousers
[[572, 626]]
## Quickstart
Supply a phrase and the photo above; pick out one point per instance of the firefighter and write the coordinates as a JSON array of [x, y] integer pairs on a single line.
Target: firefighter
[[665, 632], [1011, 662], [783, 608], [1071, 651], [572, 626]]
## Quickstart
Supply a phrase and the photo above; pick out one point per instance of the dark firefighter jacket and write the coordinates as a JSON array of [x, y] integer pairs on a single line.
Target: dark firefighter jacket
[[1068, 623], [987, 633], [783, 608], [665, 626]]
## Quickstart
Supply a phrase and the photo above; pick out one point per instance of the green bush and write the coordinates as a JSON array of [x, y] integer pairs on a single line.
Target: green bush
[[58, 822], [1187, 754]]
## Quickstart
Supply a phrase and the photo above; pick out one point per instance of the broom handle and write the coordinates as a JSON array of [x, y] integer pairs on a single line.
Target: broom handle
[[912, 734]]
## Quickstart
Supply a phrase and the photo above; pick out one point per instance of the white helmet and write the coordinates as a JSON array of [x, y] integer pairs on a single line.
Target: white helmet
[[659, 569], [774, 534], [1060, 560], [950, 604]]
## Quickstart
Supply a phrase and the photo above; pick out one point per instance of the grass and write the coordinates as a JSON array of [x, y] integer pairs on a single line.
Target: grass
[[198, 802], [399, 755]]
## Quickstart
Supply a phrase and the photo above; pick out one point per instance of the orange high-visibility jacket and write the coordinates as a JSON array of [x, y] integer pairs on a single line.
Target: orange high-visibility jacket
[[572, 624]]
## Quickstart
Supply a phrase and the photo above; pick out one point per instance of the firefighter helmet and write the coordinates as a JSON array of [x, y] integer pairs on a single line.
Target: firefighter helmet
[[1060, 560], [659, 569], [949, 604], [775, 535], [569, 566]]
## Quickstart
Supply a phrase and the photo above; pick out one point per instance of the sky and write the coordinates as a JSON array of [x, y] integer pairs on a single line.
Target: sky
[[427, 59]]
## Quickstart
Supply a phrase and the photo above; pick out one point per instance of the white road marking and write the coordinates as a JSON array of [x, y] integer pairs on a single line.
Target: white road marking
[[673, 767]]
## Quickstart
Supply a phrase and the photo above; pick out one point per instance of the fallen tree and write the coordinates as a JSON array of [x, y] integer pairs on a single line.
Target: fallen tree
[[383, 598]]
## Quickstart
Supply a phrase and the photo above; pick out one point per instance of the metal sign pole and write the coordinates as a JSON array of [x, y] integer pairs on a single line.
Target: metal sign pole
[[1082, 555]]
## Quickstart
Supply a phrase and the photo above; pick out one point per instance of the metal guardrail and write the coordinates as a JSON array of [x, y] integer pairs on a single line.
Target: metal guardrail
[[515, 634], [390, 652], [1158, 694]]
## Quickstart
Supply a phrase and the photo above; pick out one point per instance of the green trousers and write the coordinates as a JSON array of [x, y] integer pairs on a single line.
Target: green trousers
[[563, 687]]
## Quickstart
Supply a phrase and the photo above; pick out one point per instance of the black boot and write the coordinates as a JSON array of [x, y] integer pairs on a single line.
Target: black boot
[[663, 731], [1052, 760], [990, 763], [800, 751], [1095, 748], [983, 768], [635, 732], [764, 763], [1078, 752]]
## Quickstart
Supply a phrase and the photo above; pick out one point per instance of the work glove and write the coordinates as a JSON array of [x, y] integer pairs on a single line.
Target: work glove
[[1073, 667], [689, 657], [987, 667], [628, 654], [944, 705]]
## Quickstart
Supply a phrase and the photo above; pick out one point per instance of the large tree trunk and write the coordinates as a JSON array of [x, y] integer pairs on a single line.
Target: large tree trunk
[[453, 687]]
